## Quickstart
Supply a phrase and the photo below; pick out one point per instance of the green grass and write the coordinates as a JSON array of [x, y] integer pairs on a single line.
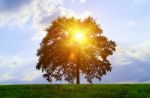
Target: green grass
[[76, 91]]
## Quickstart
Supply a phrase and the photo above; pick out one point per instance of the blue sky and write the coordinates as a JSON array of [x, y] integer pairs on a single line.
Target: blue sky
[[22, 24]]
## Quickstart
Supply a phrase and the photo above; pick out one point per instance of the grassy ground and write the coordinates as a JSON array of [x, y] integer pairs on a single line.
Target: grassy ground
[[76, 91]]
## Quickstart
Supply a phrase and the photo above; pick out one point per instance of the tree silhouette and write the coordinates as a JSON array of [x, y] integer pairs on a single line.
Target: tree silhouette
[[62, 56]]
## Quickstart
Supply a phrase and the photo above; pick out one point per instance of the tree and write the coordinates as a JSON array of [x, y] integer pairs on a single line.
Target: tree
[[73, 46]]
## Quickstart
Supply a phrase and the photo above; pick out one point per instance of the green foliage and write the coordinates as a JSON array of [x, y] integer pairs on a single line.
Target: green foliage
[[76, 91]]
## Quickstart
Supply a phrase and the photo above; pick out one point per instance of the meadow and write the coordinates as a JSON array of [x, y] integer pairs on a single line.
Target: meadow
[[75, 91]]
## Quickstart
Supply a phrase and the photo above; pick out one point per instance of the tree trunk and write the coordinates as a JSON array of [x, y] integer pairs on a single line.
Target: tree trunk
[[78, 67], [77, 74]]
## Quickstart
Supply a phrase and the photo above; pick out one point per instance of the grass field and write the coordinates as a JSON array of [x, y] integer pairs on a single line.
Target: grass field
[[76, 91]]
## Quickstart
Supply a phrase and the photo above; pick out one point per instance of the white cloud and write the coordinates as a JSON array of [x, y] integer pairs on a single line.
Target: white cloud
[[10, 61], [122, 61], [82, 1], [85, 14], [141, 50], [6, 77], [14, 16], [34, 10], [128, 54], [17, 69], [31, 76], [38, 12], [14, 61]]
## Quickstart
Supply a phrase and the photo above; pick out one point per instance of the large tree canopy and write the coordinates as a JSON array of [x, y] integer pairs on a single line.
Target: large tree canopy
[[73, 46]]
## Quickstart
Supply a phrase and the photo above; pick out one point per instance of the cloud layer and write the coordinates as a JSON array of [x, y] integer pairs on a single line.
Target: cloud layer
[[130, 64]]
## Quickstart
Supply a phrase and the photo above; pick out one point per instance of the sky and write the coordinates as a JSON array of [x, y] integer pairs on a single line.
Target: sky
[[22, 25]]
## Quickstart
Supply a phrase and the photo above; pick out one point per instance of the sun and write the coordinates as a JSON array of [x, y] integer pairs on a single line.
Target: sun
[[79, 36]]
